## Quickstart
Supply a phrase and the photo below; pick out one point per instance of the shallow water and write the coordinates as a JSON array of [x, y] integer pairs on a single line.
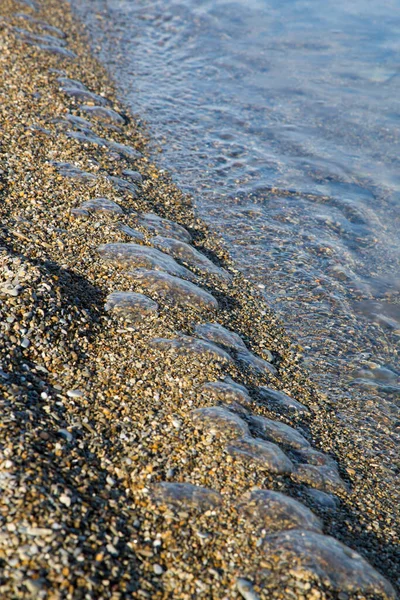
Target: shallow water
[[281, 119]]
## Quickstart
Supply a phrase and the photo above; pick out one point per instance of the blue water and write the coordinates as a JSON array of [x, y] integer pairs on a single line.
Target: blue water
[[281, 119]]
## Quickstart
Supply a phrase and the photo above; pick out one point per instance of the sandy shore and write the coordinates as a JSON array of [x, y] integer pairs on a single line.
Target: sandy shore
[[126, 470]]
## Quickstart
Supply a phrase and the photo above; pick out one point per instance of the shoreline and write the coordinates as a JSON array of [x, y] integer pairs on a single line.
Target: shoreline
[[97, 417]]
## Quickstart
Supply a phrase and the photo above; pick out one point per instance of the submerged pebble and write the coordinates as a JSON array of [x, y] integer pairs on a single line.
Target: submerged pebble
[[131, 305], [309, 554], [131, 255], [185, 495], [265, 454], [274, 512], [176, 290]]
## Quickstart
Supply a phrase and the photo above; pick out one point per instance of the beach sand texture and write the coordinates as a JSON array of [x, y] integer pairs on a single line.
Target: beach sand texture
[[141, 454]]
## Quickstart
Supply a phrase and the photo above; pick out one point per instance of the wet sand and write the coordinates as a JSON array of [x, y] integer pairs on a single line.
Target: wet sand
[[104, 430]]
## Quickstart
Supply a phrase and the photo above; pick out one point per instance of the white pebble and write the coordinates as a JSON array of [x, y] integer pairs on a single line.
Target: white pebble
[[158, 570], [64, 499], [75, 393]]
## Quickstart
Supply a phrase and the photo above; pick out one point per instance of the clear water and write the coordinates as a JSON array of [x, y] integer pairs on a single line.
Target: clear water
[[281, 119]]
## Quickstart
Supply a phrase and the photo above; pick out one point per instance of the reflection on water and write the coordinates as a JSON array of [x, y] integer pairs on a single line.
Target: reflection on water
[[281, 118]]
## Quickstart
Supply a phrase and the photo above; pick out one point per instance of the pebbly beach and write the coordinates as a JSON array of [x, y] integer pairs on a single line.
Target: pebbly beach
[[159, 437]]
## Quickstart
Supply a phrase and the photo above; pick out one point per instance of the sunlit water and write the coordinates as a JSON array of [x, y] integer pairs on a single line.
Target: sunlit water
[[281, 118]]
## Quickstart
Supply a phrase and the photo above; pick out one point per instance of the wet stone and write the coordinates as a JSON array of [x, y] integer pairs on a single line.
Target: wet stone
[[326, 479], [131, 305], [190, 256], [165, 227], [186, 496], [123, 185], [245, 589], [266, 454], [132, 233], [176, 290], [107, 115], [257, 365], [274, 512], [98, 205], [227, 392], [131, 255], [280, 401], [278, 432], [307, 553], [134, 176], [68, 170], [184, 344], [219, 422]]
